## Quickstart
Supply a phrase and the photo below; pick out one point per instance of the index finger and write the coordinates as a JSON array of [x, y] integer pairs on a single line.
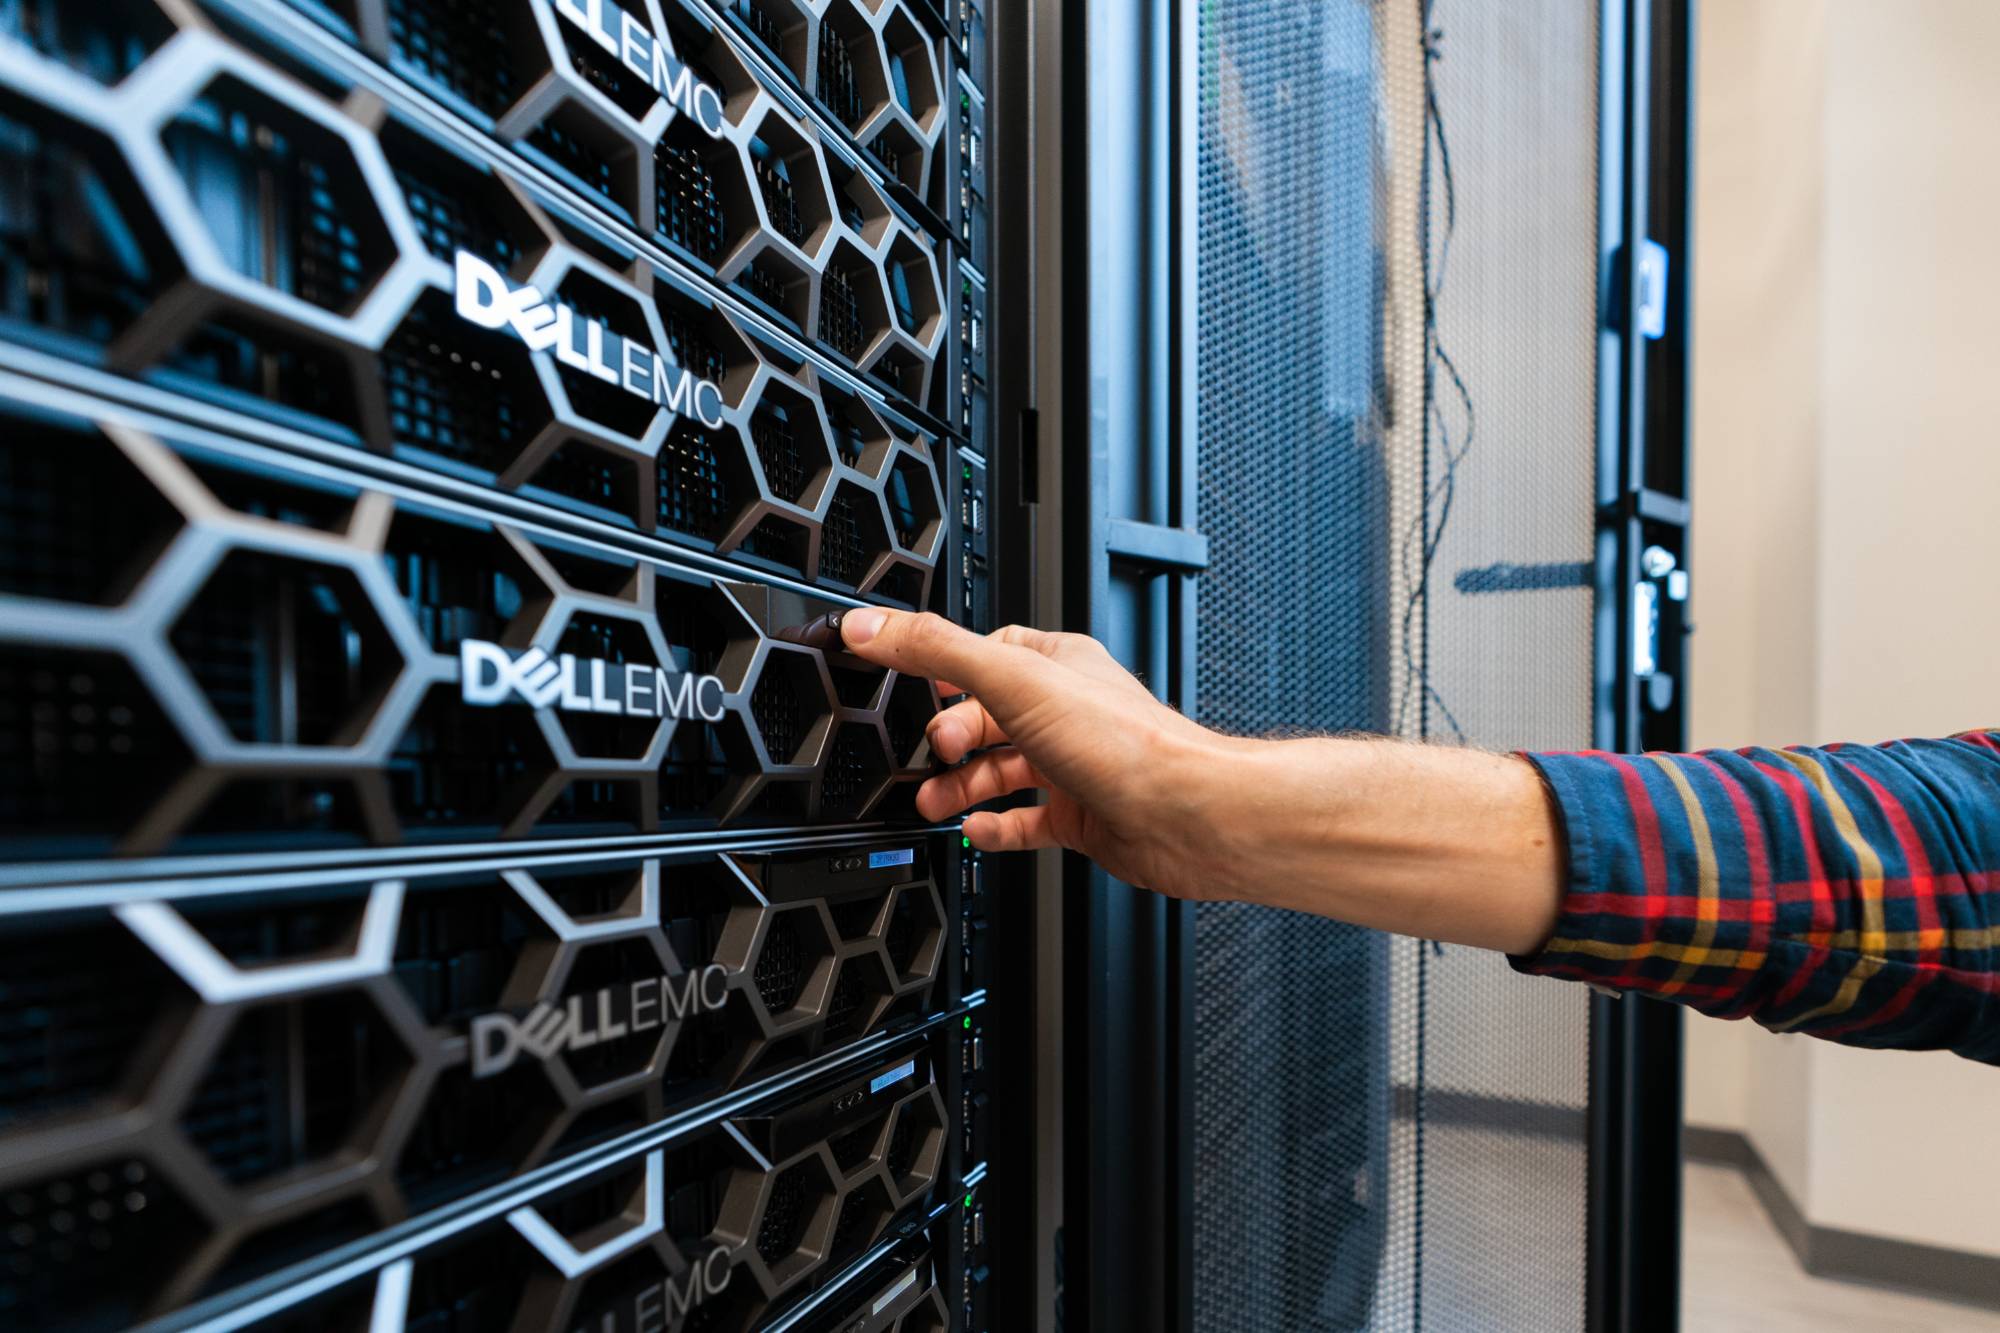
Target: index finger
[[925, 644]]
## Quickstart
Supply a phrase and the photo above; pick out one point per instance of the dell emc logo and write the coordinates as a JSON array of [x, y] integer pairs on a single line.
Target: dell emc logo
[[628, 41], [490, 675], [664, 1304], [485, 297], [613, 1012]]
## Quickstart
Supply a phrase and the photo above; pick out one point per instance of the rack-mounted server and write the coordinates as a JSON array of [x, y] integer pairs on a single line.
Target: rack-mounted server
[[240, 238], [758, 1217], [280, 1070], [205, 648]]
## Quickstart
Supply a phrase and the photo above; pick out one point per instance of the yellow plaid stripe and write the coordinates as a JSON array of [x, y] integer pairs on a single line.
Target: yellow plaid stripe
[[1873, 937], [1690, 956], [1706, 885], [1909, 941]]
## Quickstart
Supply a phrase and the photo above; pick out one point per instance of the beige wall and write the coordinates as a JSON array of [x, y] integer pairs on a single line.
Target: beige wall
[[1847, 383]]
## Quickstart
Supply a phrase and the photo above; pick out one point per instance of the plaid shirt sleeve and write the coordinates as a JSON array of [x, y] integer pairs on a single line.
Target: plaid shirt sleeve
[[1850, 892]]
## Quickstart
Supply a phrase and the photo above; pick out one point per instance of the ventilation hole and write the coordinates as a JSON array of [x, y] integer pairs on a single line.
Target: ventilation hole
[[460, 47], [104, 40], [454, 205], [843, 550], [84, 750], [571, 154], [457, 947], [77, 521], [687, 209], [280, 194], [461, 769], [787, 1213], [474, 1133], [840, 323], [787, 470], [459, 582], [905, 936], [612, 968], [607, 403], [695, 352], [762, 26], [596, 477], [909, 713], [70, 259], [844, 1006], [853, 1149], [781, 200], [904, 1145], [695, 774], [287, 651], [783, 964], [695, 497], [606, 735], [854, 769], [860, 1215], [767, 285], [481, 410], [65, 1037], [96, 1240], [291, 1085], [885, 153], [323, 1229], [839, 87]]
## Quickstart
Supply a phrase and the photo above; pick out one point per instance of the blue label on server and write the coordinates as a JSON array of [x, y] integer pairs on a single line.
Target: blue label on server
[[896, 1075], [883, 860]]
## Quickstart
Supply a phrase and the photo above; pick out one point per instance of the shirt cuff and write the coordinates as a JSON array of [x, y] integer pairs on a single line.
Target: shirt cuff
[[1575, 783]]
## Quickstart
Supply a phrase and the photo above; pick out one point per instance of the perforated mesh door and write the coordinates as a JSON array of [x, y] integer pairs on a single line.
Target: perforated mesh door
[[1388, 1135]]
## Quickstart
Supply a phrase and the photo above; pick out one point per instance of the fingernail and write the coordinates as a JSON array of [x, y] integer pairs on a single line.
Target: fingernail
[[858, 627]]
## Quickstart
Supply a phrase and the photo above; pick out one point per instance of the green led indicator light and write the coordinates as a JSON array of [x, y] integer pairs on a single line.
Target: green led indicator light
[[964, 841], [968, 472], [968, 1020], [968, 1201]]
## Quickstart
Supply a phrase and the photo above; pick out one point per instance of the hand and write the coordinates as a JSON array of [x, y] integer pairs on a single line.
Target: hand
[[1131, 783], [1442, 843]]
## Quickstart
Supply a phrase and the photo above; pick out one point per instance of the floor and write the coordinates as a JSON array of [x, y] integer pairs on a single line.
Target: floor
[[1738, 1276]]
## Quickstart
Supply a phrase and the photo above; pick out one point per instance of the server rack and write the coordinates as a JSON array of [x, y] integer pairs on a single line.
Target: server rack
[[452, 878], [1369, 233]]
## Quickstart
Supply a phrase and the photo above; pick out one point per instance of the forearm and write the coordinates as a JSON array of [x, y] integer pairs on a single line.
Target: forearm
[[1449, 844]]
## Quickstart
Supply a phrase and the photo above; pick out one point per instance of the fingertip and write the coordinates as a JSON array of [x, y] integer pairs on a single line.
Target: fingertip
[[937, 800], [859, 626], [949, 740], [983, 829]]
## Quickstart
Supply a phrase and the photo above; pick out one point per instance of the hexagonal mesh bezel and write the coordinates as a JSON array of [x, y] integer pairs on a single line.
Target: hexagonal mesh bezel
[[324, 707], [326, 297], [229, 1075]]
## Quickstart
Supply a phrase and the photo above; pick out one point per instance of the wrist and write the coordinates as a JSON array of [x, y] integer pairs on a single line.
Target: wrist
[[1240, 810]]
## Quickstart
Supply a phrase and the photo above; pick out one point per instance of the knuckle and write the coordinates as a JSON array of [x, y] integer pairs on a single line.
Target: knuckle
[[927, 628]]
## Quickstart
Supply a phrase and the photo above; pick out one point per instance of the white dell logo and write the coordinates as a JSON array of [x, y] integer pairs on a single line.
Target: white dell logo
[[485, 297], [632, 45], [490, 675], [497, 1040]]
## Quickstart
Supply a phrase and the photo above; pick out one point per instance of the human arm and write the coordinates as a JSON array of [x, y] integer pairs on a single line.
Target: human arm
[[1860, 903]]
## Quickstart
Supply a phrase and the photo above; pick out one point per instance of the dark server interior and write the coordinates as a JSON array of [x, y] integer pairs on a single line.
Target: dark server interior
[[452, 879]]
